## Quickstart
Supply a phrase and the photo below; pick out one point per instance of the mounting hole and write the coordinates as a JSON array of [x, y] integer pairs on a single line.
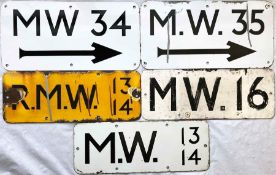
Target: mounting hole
[[134, 64], [145, 5], [7, 65], [70, 6], [71, 64], [167, 124], [145, 63], [134, 6], [116, 126], [207, 6], [205, 145], [207, 62], [267, 6], [145, 94], [77, 148], [167, 167], [6, 6], [116, 168], [268, 62]]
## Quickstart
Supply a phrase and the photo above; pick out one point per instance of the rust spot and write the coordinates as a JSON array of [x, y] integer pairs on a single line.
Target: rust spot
[[98, 118], [135, 93], [13, 96]]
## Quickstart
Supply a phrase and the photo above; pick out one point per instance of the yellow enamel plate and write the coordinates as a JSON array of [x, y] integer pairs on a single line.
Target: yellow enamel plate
[[71, 96]]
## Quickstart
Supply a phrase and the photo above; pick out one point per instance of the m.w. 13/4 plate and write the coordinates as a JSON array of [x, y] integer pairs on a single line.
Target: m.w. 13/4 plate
[[141, 147]]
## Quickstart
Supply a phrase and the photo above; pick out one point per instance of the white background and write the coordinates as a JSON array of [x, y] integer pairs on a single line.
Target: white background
[[239, 147]]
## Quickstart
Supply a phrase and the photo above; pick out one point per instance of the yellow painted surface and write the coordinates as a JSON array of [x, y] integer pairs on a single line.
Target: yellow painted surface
[[111, 100]]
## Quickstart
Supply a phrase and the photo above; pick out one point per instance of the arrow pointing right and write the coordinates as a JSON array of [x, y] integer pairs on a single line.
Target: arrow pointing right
[[100, 53], [235, 51]]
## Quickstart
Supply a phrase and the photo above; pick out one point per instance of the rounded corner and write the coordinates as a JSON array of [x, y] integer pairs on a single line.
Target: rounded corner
[[4, 66], [143, 117], [76, 170], [136, 65], [144, 65], [6, 120], [4, 3]]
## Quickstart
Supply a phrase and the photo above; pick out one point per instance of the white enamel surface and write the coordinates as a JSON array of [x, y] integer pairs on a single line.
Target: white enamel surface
[[167, 147], [81, 39], [226, 95], [226, 22]]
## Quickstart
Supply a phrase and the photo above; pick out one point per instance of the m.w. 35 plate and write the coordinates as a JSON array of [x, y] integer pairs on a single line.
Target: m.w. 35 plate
[[206, 34]]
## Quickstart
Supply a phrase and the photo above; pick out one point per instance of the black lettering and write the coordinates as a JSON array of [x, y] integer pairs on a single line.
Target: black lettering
[[203, 16], [35, 15], [56, 90], [170, 86], [202, 86], [81, 91], [62, 16], [89, 139], [137, 140], [154, 14]]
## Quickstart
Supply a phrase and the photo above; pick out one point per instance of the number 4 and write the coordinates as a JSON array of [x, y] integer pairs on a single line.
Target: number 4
[[123, 27], [194, 157]]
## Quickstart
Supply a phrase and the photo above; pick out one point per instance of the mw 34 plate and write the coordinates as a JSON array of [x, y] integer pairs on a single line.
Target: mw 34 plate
[[49, 35]]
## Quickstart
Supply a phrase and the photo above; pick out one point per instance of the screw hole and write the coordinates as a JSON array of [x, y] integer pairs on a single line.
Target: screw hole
[[116, 168], [116, 126], [168, 167], [5, 6], [145, 94], [207, 6], [267, 6], [205, 145], [70, 6], [7, 65], [268, 62], [167, 124], [145, 63], [134, 7], [77, 148], [71, 64], [207, 62], [145, 5]]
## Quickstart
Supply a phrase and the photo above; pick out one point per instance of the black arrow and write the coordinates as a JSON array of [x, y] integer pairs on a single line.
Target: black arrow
[[100, 53], [235, 51]]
